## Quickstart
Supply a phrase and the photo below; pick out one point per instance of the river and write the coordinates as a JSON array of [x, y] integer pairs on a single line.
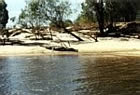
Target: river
[[69, 75]]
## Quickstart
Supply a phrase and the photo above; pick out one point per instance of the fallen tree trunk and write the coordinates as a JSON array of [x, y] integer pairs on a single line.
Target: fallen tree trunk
[[77, 37]]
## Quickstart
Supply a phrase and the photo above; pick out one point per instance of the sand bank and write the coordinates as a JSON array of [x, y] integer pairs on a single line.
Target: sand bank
[[129, 47]]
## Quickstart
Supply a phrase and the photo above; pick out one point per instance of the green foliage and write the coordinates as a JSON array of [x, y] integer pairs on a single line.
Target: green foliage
[[68, 23], [31, 15], [3, 14], [121, 10], [88, 12], [42, 12], [114, 10], [82, 19], [56, 11]]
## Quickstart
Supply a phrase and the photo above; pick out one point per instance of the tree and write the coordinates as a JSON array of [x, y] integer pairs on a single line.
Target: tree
[[40, 12], [3, 14], [57, 11], [3, 19], [122, 10], [99, 9], [31, 15], [83, 19], [92, 8], [110, 11]]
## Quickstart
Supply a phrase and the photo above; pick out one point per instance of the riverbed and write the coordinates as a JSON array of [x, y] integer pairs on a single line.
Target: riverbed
[[70, 75]]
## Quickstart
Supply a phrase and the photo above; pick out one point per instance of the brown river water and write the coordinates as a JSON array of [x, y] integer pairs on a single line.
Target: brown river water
[[69, 75]]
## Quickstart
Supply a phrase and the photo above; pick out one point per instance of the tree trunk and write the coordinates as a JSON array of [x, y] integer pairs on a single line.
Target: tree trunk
[[100, 16], [62, 26], [66, 30], [50, 33]]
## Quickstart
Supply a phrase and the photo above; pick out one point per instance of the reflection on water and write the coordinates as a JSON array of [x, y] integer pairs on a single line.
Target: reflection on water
[[45, 75], [69, 75], [110, 76]]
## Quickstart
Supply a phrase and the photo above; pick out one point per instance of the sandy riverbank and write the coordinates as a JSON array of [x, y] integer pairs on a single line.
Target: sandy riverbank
[[117, 46]]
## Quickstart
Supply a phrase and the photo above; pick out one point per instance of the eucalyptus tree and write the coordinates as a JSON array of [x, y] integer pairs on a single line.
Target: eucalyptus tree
[[3, 14], [57, 12], [43, 12], [3, 19], [122, 10], [31, 15], [110, 11], [92, 8]]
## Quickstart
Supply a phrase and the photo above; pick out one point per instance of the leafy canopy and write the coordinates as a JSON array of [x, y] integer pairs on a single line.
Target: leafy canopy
[[3, 14], [114, 10], [42, 12]]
